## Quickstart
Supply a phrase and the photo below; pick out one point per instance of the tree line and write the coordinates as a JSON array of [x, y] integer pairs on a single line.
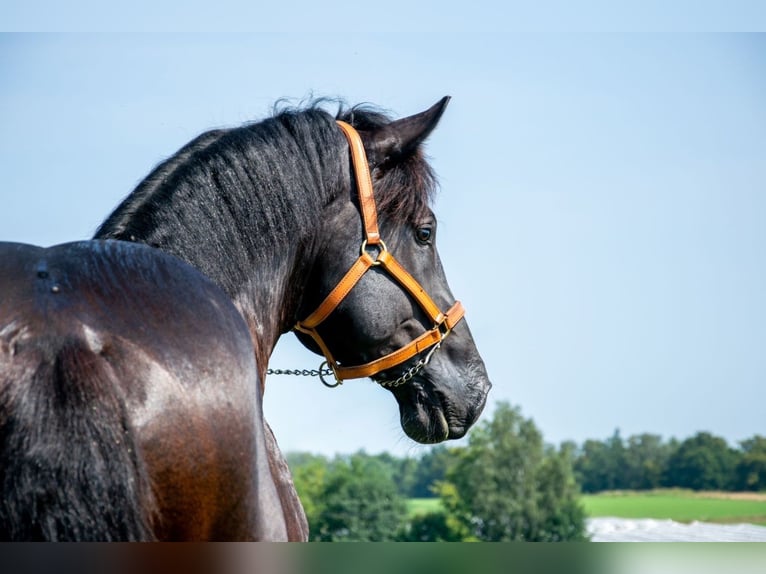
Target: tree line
[[646, 461], [507, 484]]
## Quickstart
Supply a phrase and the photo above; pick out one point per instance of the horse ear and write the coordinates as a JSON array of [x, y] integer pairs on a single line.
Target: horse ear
[[402, 137]]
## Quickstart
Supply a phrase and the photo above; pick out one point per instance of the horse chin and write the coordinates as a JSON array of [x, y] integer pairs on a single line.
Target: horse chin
[[425, 427], [424, 418]]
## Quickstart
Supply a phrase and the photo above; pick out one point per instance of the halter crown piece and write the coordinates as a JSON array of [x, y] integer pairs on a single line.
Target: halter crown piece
[[380, 257]]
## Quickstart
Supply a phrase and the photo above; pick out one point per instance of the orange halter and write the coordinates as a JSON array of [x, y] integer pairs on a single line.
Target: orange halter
[[443, 322]]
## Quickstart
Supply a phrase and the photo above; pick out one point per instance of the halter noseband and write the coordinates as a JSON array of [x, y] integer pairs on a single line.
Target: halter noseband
[[443, 322]]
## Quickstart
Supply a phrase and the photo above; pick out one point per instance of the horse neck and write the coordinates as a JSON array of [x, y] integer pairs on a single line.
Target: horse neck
[[252, 235], [270, 297]]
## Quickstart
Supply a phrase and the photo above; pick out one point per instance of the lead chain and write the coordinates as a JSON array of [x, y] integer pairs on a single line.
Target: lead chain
[[300, 372], [389, 384]]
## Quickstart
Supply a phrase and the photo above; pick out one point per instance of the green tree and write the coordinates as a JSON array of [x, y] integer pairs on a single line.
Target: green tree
[[602, 465], [646, 458], [640, 463], [309, 472], [430, 470], [432, 527], [751, 467], [359, 502], [702, 462], [592, 467], [506, 485], [401, 470]]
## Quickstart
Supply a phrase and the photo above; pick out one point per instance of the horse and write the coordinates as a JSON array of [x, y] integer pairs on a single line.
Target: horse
[[306, 221]]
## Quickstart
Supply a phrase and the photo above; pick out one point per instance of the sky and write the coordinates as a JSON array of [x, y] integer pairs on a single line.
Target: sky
[[601, 206]]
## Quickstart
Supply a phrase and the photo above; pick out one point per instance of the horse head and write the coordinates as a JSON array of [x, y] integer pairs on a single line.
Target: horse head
[[378, 303]]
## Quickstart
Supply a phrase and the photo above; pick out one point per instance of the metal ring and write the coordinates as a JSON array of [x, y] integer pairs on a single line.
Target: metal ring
[[325, 383], [381, 248]]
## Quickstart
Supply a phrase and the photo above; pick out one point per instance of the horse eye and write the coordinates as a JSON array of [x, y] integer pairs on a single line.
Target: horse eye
[[423, 234]]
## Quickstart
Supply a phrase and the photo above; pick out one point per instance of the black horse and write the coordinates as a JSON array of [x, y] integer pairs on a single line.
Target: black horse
[[270, 213]]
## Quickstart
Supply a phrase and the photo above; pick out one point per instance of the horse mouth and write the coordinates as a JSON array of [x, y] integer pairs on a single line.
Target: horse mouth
[[429, 417], [425, 427]]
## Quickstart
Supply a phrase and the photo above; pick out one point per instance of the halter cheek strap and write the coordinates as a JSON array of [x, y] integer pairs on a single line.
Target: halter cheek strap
[[375, 254]]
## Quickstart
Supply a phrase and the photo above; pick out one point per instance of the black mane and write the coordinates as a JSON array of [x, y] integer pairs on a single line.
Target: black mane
[[232, 193]]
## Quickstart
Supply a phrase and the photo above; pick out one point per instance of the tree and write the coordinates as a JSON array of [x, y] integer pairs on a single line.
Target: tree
[[432, 527], [401, 470], [751, 467], [506, 485], [646, 458], [702, 462], [359, 502], [431, 469], [601, 465], [309, 472]]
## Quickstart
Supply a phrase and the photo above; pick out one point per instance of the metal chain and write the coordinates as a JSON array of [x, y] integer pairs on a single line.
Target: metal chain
[[389, 384], [300, 372], [411, 372]]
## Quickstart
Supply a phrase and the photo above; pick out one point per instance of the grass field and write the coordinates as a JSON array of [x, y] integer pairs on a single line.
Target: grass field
[[417, 506], [678, 505]]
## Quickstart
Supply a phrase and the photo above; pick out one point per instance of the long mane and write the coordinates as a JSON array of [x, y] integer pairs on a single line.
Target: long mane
[[241, 190]]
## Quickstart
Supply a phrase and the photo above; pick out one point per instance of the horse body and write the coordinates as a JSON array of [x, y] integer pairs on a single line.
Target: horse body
[[128, 411], [269, 213]]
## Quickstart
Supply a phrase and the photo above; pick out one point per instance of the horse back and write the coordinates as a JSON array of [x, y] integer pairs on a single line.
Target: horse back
[[129, 349]]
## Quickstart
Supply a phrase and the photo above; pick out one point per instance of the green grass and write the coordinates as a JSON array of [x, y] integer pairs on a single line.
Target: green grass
[[417, 506], [679, 505]]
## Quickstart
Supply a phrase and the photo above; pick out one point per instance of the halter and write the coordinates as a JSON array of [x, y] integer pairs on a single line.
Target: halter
[[375, 254]]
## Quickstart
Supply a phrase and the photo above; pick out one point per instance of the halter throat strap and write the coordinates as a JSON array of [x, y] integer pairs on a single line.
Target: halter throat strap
[[375, 254]]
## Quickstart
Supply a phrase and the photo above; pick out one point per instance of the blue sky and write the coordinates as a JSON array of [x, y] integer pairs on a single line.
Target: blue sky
[[601, 209]]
